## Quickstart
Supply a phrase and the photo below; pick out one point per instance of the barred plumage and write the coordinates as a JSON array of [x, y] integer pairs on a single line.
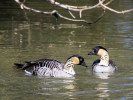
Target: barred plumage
[[51, 67]]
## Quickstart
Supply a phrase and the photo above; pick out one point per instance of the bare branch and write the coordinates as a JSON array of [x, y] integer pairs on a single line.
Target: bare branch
[[103, 13], [119, 12], [108, 2], [66, 6], [71, 14], [80, 13], [79, 9], [54, 12], [75, 8]]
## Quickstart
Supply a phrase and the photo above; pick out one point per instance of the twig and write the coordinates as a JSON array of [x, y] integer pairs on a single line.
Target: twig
[[79, 9], [57, 14], [71, 14], [119, 12]]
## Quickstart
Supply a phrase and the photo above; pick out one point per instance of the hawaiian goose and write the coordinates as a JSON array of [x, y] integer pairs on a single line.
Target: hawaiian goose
[[103, 64], [52, 68]]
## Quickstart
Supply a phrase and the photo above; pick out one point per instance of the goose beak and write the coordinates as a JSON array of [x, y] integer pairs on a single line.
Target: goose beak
[[84, 64], [91, 53]]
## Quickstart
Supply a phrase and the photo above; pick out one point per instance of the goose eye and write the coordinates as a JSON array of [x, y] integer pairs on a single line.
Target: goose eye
[[95, 50], [81, 60]]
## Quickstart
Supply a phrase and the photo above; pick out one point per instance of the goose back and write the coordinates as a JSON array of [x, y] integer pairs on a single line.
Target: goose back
[[41, 67]]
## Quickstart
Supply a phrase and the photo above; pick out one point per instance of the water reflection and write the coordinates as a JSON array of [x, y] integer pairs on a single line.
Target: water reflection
[[102, 86], [23, 34], [54, 86], [103, 75], [61, 26], [103, 89], [38, 36]]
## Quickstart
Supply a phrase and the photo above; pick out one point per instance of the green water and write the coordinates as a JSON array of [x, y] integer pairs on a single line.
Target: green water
[[26, 36]]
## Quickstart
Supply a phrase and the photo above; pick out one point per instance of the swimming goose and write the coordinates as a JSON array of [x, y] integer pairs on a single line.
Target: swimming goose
[[52, 68], [103, 64]]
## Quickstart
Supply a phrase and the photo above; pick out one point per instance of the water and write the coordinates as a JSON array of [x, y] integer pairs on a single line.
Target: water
[[26, 36]]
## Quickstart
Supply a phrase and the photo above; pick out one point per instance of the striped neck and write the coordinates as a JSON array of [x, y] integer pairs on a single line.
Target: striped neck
[[104, 60], [69, 67]]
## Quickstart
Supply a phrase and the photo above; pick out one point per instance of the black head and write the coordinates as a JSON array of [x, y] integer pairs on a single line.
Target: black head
[[96, 49], [77, 59]]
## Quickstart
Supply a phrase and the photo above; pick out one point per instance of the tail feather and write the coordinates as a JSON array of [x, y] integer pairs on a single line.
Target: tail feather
[[18, 66]]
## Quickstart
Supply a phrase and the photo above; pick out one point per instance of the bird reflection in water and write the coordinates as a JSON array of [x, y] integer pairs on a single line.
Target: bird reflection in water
[[102, 87], [103, 90], [58, 87], [103, 75]]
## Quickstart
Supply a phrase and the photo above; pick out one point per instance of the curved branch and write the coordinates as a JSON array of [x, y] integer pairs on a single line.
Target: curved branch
[[119, 12], [74, 8], [78, 8], [55, 13], [103, 13], [66, 6], [108, 2], [22, 6]]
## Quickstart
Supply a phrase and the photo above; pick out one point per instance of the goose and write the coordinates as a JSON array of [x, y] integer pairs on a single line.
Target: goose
[[102, 65], [51, 67]]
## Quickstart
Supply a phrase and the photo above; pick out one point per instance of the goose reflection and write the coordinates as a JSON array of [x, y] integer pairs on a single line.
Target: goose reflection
[[103, 90], [103, 75], [102, 86], [55, 86]]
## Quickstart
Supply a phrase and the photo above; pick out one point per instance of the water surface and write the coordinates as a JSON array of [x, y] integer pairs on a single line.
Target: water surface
[[26, 36]]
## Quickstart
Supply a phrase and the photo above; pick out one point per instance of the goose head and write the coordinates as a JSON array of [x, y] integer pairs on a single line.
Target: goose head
[[98, 50], [78, 60]]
